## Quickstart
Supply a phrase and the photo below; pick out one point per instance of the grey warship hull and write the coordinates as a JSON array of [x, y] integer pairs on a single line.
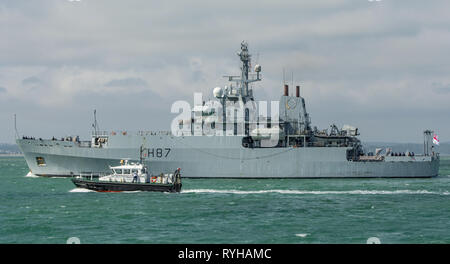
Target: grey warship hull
[[219, 157], [230, 138]]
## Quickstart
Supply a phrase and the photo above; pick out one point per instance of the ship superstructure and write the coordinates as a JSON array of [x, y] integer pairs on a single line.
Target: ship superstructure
[[229, 138]]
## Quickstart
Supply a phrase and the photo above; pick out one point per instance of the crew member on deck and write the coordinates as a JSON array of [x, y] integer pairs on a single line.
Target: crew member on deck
[[135, 177]]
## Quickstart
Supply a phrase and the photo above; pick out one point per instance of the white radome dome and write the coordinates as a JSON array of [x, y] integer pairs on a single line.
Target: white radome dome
[[218, 92]]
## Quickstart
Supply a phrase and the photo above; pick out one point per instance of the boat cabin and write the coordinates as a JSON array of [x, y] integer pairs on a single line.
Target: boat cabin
[[135, 173]]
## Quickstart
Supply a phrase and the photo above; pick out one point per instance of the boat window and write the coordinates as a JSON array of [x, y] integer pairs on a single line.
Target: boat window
[[40, 161], [134, 171], [118, 171], [126, 171]]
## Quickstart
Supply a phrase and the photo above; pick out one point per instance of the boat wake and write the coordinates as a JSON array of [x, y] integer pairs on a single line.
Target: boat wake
[[80, 190], [361, 192]]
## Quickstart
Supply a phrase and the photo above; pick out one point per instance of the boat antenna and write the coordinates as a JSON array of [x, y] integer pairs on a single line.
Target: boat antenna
[[95, 125], [141, 151], [15, 126], [292, 72]]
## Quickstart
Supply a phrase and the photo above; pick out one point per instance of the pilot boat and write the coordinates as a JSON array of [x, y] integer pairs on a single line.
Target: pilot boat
[[130, 177]]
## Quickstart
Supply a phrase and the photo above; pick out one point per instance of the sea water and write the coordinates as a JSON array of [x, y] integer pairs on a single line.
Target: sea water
[[51, 210]]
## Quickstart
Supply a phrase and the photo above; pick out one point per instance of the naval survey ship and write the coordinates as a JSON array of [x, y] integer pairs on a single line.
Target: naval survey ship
[[217, 142]]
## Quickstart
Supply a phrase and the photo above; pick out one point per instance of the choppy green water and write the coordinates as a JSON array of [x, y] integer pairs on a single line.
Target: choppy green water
[[51, 210]]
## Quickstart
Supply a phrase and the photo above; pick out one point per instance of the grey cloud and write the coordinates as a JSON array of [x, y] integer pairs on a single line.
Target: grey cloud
[[2, 89], [174, 30], [33, 84], [33, 80], [198, 76], [127, 82], [440, 88]]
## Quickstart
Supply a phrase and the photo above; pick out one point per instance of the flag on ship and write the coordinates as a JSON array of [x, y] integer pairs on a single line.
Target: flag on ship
[[435, 139]]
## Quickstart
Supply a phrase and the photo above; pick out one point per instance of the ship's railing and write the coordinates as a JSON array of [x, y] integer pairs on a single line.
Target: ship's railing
[[123, 132], [100, 133], [90, 175], [148, 133], [371, 158], [323, 144]]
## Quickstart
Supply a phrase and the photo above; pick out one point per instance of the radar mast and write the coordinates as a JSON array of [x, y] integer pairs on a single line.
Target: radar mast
[[243, 80]]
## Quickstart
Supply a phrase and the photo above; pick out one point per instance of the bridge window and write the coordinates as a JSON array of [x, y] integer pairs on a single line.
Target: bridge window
[[40, 161]]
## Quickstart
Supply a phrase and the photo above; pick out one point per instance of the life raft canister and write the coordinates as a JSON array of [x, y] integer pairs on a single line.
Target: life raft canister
[[153, 179]]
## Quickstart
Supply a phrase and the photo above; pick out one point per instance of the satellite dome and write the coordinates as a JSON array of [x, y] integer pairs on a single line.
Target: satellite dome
[[217, 92]]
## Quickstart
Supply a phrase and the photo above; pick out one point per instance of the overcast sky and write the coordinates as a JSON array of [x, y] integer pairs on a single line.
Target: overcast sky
[[380, 66]]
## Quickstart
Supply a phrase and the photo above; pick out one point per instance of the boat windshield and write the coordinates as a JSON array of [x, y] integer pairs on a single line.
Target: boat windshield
[[118, 171]]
